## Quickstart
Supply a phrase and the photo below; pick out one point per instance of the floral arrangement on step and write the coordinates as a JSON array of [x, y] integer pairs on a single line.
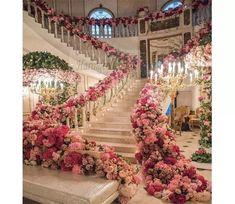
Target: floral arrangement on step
[[168, 174], [51, 145], [202, 156]]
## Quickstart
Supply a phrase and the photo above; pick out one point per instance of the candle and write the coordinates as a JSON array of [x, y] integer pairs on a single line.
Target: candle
[[191, 77], [179, 65], [196, 73], [173, 72], [162, 69], [151, 74], [169, 68], [155, 77], [62, 85]]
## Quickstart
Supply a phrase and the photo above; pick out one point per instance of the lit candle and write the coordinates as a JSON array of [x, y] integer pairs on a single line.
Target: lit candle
[[162, 69], [151, 74], [169, 68], [179, 65], [155, 77], [191, 77], [196, 73], [173, 72]]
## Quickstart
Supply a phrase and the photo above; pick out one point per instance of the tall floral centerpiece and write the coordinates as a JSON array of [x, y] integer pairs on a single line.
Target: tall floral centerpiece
[[50, 77]]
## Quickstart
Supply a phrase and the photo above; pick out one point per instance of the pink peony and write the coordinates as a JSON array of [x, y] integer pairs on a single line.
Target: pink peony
[[150, 139]]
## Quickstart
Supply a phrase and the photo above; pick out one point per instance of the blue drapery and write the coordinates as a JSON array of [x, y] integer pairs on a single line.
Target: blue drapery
[[169, 110]]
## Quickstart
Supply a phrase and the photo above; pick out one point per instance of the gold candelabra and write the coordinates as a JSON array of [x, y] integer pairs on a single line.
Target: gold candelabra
[[172, 79]]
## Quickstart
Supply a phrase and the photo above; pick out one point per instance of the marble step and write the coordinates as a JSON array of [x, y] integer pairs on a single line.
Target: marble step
[[110, 131], [109, 138], [110, 125], [114, 118], [130, 157], [117, 112], [119, 147], [55, 186]]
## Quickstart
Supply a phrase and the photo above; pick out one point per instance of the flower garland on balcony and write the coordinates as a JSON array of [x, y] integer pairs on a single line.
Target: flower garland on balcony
[[168, 174], [125, 21], [51, 145]]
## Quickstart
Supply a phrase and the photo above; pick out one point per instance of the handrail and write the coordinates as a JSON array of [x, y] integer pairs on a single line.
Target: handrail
[[106, 54], [76, 115]]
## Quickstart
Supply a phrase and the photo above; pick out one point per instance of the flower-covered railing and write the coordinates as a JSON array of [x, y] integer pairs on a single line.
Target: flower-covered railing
[[185, 15], [69, 33], [78, 110], [131, 26], [52, 145], [167, 173]]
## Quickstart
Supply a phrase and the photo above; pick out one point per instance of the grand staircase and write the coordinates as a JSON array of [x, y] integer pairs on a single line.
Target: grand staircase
[[114, 128]]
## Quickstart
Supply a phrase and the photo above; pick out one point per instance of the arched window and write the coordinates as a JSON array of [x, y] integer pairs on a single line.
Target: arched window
[[172, 4], [100, 13]]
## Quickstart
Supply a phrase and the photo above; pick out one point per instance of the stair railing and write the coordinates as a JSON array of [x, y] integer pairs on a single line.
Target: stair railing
[[93, 109], [86, 48]]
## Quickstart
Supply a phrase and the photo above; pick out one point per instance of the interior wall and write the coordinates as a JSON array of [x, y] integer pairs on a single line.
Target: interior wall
[[184, 98], [119, 8], [109, 4]]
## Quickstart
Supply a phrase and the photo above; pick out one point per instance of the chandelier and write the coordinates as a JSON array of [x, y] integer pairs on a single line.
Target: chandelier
[[173, 77]]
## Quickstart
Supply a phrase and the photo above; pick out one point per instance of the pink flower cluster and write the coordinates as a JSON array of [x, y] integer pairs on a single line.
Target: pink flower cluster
[[168, 174], [51, 145]]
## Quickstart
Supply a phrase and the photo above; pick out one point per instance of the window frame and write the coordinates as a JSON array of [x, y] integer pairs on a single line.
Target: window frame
[[107, 29], [168, 2]]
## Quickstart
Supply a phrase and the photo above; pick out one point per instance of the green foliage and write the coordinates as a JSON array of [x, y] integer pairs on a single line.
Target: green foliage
[[206, 39], [202, 158], [37, 60]]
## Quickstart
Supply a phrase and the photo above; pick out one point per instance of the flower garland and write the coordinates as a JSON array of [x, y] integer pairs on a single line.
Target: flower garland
[[156, 15], [67, 22], [168, 174], [202, 38], [66, 109], [51, 145]]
